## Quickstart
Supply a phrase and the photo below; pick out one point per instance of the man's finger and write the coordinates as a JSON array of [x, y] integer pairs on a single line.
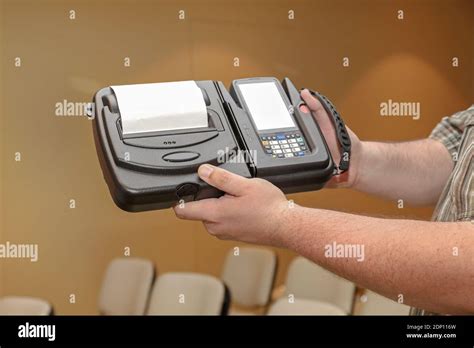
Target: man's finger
[[224, 180], [317, 110], [313, 104], [200, 210]]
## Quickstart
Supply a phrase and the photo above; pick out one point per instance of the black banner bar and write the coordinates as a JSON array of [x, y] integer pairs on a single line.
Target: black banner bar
[[410, 330]]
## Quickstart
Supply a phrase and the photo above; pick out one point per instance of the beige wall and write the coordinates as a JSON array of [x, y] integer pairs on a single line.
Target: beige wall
[[2, 138], [405, 60]]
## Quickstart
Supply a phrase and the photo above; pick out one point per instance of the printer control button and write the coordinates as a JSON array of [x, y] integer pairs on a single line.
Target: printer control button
[[180, 156], [187, 191]]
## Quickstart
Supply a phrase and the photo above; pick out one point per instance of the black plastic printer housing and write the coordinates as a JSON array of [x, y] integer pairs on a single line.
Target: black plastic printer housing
[[158, 170]]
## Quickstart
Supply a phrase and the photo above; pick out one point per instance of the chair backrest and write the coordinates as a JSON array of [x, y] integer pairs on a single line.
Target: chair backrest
[[304, 307], [250, 275], [372, 303], [182, 293], [19, 305], [307, 280], [126, 286]]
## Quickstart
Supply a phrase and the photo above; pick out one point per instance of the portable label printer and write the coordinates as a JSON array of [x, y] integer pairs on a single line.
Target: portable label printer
[[151, 139]]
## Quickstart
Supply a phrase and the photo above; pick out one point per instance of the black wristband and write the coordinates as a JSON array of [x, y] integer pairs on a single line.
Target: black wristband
[[341, 132]]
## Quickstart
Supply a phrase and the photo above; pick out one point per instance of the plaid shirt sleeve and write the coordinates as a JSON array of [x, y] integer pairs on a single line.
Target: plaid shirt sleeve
[[450, 130]]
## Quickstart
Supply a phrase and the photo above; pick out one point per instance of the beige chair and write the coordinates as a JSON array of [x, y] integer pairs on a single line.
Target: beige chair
[[304, 307], [372, 303], [306, 280], [249, 276], [126, 287], [188, 294], [19, 305]]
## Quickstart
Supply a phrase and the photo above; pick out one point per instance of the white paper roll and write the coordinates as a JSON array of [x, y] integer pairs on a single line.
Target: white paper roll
[[153, 107]]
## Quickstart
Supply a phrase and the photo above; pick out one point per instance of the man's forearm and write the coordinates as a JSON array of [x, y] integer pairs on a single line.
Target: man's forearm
[[414, 171], [430, 264]]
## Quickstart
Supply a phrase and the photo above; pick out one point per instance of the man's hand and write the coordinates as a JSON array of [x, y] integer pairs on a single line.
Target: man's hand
[[329, 133], [392, 171], [252, 210]]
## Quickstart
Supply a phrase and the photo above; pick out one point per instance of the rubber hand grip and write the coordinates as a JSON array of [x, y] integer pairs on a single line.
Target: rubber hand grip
[[341, 131]]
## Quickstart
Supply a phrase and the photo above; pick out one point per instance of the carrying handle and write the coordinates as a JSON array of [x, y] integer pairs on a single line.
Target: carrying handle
[[341, 132]]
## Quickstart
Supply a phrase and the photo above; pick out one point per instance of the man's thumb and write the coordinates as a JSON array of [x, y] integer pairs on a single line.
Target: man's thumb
[[224, 180]]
